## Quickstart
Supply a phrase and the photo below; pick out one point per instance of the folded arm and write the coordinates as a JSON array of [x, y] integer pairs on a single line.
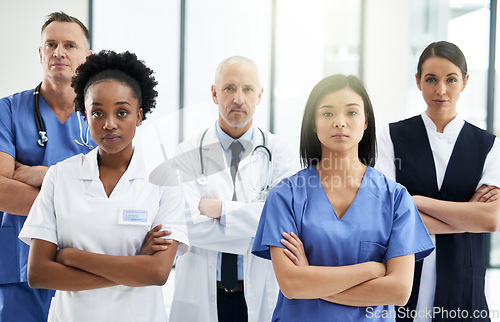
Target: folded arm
[[32, 175], [391, 287], [480, 214], [436, 226], [311, 282], [207, 232], [16, 197], [45, 272], [134, 271], [203, 221], [49, 268], [204, 210]]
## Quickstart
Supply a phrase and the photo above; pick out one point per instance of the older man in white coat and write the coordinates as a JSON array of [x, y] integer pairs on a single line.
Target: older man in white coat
[[228, 170]]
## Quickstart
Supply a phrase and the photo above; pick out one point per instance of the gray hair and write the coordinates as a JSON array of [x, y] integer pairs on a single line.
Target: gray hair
[[235, 60]]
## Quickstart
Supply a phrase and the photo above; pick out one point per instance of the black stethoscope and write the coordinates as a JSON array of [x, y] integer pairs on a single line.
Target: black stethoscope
[[40, 125], [202, 178]]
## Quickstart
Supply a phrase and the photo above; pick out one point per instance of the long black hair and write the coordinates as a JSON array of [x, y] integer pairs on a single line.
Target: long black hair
[[310, 146]]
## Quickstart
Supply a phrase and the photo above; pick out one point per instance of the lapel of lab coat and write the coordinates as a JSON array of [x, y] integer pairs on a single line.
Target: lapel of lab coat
[[213, 157]]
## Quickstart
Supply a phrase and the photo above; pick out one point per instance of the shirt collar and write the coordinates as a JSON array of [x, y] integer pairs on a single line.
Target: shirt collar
[[225, 140], [450, 129], [90, 169]]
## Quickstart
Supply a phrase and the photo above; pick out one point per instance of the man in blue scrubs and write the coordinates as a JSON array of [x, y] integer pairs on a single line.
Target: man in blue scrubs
[[65, 44]]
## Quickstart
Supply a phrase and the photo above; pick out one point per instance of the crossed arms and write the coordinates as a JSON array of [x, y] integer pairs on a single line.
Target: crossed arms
[[19, 185], [480, 214], [365, 284], [71, 269]]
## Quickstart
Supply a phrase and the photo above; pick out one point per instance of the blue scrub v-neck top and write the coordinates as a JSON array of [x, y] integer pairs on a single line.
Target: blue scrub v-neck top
[[381, 223]]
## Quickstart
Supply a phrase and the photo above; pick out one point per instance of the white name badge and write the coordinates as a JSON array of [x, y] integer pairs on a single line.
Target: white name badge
[[134, 217]]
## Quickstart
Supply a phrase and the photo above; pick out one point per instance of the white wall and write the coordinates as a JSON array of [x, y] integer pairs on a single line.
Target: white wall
[[20, 25], [387, 52]]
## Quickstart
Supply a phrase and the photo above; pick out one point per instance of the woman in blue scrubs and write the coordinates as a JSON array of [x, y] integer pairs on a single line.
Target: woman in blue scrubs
[[342, 237]]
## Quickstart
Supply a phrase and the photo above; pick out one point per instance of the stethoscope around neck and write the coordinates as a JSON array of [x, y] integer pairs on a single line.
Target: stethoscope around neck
[[202, 178], [40, 125]]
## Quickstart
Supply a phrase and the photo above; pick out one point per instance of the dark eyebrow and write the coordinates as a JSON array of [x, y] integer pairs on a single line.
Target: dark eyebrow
[[67, 41], [347, 105], [450, 74], [117, 103]]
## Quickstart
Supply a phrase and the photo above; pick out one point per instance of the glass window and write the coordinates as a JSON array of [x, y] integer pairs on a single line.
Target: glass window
[[217, 30], [451, 20], [150, 30], [314, 39]]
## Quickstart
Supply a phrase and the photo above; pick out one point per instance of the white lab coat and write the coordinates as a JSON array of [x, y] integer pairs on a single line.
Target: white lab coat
[[195, 295]]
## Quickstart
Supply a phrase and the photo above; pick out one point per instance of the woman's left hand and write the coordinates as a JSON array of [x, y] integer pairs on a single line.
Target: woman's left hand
[[485, 193], [153, 242], [294, 249]]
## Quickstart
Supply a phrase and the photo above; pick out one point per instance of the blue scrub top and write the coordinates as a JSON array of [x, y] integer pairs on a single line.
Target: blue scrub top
[[381, 223], [18, 137]]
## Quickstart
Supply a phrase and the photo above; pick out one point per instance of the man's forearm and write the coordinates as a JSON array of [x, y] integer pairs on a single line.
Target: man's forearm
[[16, 197]]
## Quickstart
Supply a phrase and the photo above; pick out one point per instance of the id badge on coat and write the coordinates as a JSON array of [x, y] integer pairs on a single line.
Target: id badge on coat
[[141, 217]]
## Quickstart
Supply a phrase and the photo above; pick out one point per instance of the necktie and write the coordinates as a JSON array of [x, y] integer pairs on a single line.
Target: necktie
[[229, 266], [236, 147]]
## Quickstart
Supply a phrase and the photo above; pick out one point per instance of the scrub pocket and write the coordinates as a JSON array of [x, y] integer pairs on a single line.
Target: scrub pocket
[[370, 251]]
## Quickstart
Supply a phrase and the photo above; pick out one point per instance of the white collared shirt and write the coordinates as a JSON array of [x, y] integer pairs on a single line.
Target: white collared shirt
[[73, 210]]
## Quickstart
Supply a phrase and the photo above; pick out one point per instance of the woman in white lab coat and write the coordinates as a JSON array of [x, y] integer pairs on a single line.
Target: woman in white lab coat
[[93, 212]]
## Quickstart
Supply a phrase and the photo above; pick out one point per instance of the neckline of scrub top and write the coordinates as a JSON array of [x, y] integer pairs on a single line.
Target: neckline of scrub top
[[48, 112], [316, 176]]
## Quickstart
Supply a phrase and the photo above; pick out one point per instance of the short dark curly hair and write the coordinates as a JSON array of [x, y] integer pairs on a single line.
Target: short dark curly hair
[[123, 67]]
